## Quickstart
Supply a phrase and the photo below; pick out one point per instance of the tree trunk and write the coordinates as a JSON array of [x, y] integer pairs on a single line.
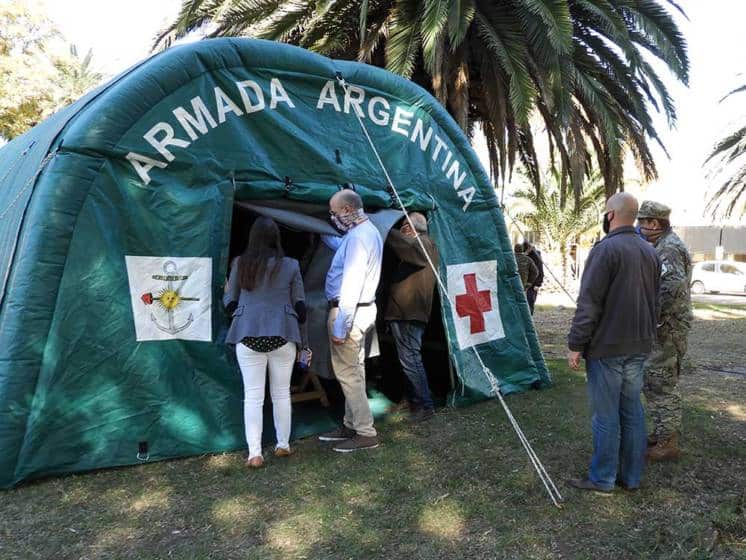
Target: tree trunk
[[563, 260], [458, 95]]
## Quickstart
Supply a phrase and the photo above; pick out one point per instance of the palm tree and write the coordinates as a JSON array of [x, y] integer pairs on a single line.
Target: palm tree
[[560, 226], [75, 76], [581, 66], [727, 159]]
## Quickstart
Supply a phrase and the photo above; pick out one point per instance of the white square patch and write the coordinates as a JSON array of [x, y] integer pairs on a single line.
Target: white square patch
[[472, 289], [171, 297]]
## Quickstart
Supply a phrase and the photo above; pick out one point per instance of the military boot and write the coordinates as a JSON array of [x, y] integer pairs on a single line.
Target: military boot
[[665, 450]]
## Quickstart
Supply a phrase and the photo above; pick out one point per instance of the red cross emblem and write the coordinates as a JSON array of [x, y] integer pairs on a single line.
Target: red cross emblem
[[473, 304]]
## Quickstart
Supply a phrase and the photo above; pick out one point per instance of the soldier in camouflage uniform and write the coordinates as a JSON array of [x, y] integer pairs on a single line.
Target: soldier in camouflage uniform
[[665, 363]]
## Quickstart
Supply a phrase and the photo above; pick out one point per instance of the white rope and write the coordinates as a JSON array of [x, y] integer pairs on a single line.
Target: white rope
[[546, 480], [29, 183], [15, 161]]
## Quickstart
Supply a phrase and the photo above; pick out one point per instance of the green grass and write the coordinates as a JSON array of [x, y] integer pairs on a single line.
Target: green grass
[[720, 307], [459, 486]]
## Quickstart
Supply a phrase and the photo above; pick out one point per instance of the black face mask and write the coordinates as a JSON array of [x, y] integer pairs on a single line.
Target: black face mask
[[607, 223]]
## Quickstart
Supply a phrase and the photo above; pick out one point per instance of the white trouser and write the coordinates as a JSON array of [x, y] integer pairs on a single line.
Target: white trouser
[[254, 371]]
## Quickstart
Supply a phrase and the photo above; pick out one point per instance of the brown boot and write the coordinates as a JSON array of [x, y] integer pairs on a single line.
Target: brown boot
[[665, 450]]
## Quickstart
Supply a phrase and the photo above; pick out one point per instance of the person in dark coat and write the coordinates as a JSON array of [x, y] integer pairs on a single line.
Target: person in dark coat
[[409, 306], [614, 329], [526, 268], [535, 255]]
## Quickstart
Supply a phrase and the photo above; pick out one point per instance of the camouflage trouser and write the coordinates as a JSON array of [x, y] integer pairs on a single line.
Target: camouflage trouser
[[661, 390]]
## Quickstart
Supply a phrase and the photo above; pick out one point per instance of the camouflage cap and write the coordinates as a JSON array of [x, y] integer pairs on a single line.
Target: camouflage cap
[[650, 209]]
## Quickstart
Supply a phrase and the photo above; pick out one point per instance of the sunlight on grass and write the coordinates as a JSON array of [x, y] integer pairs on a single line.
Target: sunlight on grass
[[443, 519], [115, 538], [737, 411], [296, 534], [719, 313], [221, 462], [234, 510], [153, 499]]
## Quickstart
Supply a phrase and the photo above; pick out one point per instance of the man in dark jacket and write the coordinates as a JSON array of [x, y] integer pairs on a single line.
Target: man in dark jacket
[[535, 255], [526, 268], [614, 330], [409, 306]]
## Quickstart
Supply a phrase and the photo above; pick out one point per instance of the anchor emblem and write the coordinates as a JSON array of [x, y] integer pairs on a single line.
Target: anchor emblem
[[169, 298]]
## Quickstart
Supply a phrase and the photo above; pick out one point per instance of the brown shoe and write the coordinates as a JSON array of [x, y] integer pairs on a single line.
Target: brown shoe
[[585, 484], [665, 450], [340, 434], [283, 452], [421, 415], [255, 462], [356, 444]]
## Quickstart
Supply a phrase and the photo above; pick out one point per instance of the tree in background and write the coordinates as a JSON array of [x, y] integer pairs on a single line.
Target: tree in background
[[75, 76], [580, 66], [25, 68], [727, 160], [39, 72], [558, 226]]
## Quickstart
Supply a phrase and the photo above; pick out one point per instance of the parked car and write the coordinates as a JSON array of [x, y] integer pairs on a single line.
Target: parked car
[[719, 276]]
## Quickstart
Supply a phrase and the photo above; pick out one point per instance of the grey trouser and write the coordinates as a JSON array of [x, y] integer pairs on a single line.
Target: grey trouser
[[348, 362]]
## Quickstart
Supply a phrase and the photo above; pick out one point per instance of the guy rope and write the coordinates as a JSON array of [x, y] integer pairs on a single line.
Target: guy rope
[[546, 480]]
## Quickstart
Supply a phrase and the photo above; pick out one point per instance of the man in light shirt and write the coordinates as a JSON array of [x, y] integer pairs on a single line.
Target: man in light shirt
[[351, 292]]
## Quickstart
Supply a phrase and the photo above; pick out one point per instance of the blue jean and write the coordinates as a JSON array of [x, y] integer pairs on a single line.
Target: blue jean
[[408, 339], [618, 420]]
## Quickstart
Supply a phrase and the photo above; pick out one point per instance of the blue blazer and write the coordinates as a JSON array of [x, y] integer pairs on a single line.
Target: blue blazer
[[268, 309]]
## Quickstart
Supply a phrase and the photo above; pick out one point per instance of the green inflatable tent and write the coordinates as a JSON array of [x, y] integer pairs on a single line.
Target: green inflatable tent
[[119, 215]]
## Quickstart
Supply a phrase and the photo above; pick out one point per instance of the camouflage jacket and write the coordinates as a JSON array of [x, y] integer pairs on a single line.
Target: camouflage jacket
[[526, 270], [676, 276]]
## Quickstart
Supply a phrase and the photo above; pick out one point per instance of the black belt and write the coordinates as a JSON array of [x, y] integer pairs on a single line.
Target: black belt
[[335, 303]]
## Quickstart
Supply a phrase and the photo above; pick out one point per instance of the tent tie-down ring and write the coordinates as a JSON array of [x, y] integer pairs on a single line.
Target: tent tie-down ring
[[546, 480]]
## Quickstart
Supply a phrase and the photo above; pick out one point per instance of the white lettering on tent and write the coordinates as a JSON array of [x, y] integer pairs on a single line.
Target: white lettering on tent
[[453, 172], [248, 104], [401, 117], [417, 134], [196, 120], [449, 155], [199, 120], [168, 139], [382, 117], [143, 164], [439, 145], [466, 195], [356, 101], [225, 105], [278, 93], [328, 96]]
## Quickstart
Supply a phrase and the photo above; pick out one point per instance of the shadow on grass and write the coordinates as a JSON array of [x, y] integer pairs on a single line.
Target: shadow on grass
[[459, 486]]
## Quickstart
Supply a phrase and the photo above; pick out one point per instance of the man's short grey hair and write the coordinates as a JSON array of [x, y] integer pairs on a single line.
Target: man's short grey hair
[[418, 221], [348, 197]]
